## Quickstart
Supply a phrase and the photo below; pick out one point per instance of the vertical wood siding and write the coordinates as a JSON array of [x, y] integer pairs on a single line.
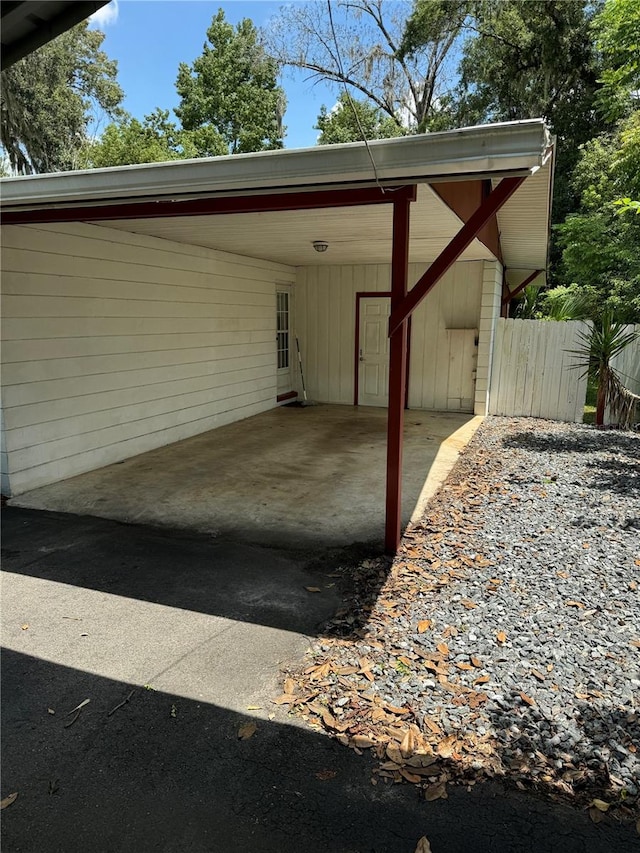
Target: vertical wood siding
[[325, 298], [627, 362], [533, 373], [489, 314], [116, 343]]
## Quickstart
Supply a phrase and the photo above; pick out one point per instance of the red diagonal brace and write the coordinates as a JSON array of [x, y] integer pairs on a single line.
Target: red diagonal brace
[[450, 254], [512, 293]]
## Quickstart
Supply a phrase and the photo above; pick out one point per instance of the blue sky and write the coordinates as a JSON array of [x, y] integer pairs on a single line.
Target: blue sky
[[149, 38]]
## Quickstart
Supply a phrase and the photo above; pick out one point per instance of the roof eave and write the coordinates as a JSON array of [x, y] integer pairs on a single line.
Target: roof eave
[[511, 148]]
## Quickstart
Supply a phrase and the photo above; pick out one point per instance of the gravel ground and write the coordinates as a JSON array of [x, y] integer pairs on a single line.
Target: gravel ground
[[504, 641]]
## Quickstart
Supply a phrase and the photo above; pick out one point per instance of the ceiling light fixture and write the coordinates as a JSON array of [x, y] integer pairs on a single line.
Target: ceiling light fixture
[[320, 245]]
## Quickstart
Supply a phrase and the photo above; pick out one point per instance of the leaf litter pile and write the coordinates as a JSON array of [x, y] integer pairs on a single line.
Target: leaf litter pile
[[504, 639]]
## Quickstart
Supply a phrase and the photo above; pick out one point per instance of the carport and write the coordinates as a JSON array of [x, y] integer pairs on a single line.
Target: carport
[[102, 268]]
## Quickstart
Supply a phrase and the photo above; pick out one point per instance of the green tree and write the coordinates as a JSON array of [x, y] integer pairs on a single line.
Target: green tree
[[229, 97], [533, 60], [363, 44], [617, 30], [50, 97], [350, 119], [599, 242], [154, 140]]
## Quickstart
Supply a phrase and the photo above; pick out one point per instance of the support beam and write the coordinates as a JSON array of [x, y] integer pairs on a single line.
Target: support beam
[[253, 203], [510, 294], [449, 255], [464, 198], [397, 377]]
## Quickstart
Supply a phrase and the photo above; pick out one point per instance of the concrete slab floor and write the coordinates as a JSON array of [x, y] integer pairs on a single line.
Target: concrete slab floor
[[288, 477]]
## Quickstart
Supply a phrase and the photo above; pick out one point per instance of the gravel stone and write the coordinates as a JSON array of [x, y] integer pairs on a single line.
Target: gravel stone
[[538, 528]]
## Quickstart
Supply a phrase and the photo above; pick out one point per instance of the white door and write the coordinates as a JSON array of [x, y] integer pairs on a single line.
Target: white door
[[463, 357], [373, 370], [283, 339]]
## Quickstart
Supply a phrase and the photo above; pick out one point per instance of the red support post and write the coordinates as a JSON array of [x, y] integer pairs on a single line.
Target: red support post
[[397, 377]]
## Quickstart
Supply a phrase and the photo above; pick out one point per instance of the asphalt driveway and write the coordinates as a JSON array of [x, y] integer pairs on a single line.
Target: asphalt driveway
[[193, 632]]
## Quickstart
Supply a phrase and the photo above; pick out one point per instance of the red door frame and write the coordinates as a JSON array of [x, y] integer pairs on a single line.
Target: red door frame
[[364, 294]]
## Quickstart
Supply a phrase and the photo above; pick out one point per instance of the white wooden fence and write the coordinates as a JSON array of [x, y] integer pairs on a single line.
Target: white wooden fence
[[627, 363], [532, 373]]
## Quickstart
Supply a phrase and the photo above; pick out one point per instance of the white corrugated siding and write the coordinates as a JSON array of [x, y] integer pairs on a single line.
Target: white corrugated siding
[[534, 372], [627, 362], [325, 299], [115, 343]]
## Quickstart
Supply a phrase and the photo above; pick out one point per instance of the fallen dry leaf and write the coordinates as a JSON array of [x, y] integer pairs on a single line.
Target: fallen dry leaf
[[408, 746], [596, 815], [501, 637], [393, 710], [362, 741], [289, 685], [410, 777], [470, 605], [482, 680], [423, 846], [50, 711], [446, 746], [443, 648], [577, 604], [247, 730], [254, 707], [285, 699], [8, 800], [436, 792], [601, 805], [476, 661], [424, 625], [537, 675], [25, 627], [527, 699], [313, 589]]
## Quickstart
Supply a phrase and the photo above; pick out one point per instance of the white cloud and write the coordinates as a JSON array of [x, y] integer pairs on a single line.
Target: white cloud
[[105, 16]]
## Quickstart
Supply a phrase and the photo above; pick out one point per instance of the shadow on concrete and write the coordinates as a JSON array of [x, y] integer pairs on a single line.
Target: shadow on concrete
[[191, 571], [163, 773]]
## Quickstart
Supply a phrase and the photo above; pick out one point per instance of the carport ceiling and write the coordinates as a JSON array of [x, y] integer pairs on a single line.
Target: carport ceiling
[[356, 235], [362, 235]]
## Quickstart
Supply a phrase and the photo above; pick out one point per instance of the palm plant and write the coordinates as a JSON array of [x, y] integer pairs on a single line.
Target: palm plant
[[600, 345]]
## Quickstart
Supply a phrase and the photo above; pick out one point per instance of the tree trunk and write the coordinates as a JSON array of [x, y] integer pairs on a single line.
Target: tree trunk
[[601, 398]]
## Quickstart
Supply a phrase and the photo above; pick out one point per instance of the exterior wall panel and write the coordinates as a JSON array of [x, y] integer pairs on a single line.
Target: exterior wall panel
[[115, 343], [325, 324]]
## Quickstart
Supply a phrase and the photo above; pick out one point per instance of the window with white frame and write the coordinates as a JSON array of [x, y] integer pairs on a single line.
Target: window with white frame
[[282, 328]]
